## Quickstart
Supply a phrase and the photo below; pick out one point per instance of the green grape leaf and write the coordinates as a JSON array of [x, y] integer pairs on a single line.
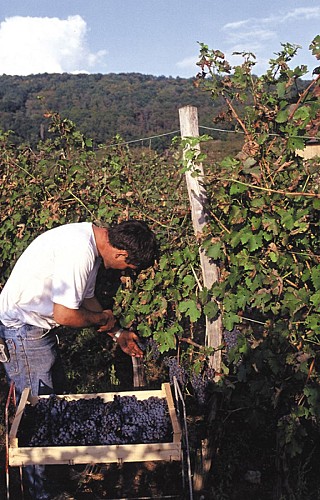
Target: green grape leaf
[[211, 310], [190, 308]]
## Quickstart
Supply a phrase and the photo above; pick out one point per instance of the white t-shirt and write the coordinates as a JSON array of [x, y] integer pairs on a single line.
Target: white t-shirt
[[60, 266]]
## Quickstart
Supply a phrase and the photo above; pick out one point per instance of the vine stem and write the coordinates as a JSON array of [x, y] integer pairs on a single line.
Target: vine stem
[[196, 278], [158, 222], [308, 377], [189, 341], [269, 190], [302, 96], [235, 114], [299, 101], [231, 412], [219, 222], [81, 202]]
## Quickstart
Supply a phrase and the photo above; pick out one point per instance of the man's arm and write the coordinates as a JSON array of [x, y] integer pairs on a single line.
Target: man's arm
[[92, 314], [82, 317], [92, 304]]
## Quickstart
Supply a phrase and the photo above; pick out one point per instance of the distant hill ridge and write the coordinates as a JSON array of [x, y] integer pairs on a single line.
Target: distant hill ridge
[[132, 105]]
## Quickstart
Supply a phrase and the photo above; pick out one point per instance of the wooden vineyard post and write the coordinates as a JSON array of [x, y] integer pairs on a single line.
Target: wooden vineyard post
[[188, 116]]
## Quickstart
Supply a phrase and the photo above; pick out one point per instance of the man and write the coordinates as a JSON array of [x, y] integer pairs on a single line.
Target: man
[[52, 284]]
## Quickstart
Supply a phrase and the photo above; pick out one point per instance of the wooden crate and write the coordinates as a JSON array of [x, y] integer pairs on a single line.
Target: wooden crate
[[21, 456]]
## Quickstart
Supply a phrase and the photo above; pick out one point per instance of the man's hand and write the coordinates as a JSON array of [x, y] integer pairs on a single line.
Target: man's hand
[[94, 305], [110, 321], [127, 342]]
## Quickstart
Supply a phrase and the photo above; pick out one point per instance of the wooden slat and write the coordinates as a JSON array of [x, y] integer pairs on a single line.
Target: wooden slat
[[18, 415], [172, 411], [51, 455], [108, 396]]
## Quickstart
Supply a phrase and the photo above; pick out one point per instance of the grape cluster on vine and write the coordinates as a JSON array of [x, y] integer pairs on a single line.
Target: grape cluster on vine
[[151, 349], [186, 375], [200, 383], [231, 338], [176, 370]]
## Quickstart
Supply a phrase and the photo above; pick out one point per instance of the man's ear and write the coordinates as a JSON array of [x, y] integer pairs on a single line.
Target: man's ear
[[121, 254]]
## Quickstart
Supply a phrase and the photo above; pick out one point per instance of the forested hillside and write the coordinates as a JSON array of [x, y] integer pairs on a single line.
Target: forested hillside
[[131, 105]]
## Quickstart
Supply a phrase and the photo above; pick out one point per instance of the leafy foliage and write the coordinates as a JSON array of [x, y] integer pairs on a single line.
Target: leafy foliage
[[67, 181], [264, 233]]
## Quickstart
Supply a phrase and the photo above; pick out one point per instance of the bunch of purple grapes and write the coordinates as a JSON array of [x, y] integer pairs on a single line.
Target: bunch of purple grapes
[[151, 348], [176, 370], [57, 421], [200, 383], [231, 338]]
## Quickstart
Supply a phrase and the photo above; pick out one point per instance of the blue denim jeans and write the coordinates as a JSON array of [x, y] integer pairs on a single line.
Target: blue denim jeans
[[34, 362]]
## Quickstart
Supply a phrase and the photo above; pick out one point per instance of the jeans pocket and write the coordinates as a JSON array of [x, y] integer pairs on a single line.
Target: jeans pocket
[[34, 332], [12, 367]]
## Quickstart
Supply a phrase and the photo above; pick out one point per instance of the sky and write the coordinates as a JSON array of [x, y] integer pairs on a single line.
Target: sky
[[152, 37]]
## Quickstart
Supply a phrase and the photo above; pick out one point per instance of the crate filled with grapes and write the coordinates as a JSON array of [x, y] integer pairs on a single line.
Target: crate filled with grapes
[[134, 426]]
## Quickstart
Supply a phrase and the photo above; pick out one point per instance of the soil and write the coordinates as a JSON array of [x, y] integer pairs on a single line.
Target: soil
[[126, 481]]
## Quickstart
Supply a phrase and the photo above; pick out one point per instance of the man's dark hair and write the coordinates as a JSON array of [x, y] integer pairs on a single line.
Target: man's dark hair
[[137, 239]]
